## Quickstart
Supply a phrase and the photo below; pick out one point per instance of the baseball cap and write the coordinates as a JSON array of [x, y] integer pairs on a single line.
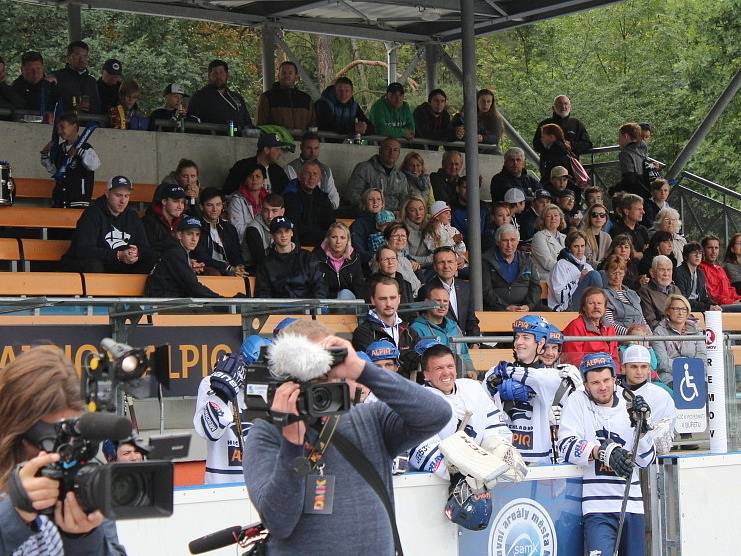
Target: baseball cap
[[566, 193], [174, 89], [438, 207], [189, 223], [384, 217], [280, 223], [173, 191], [543, 194], [269, 140], [119, 181], [636, 354], [514, 195], [395, 88], [113, 66], [559, 171]]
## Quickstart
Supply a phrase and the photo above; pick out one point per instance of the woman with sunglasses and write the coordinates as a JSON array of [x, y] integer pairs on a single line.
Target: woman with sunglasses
[[677, 322], [598, 240], [39, 388]]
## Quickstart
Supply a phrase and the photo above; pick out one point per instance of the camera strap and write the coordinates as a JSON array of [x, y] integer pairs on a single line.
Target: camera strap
[[366, 470], [303, 466]]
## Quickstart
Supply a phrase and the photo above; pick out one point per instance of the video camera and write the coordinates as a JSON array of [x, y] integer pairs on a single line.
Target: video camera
[[118, 490], [119, 364], [316, 399]]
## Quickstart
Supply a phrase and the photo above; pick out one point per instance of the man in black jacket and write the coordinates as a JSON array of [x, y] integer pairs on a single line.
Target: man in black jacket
[[513, 175], [460, 308], [173, 275], [109, 236], [268, 154], [445, 180], [307, 206], [38, 93], [77, 88], [218, 248], [216, 103], [577, 138], [287, 271], [432, 119]]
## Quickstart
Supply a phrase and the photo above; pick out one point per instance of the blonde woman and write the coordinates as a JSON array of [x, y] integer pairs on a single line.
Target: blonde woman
[[676, 322], [598, 240], [414, 217], [549, 240], [418, 177]]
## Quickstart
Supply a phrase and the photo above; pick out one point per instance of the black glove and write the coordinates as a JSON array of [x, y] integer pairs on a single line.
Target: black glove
[[639, 407], [228, 377], [617, 458]]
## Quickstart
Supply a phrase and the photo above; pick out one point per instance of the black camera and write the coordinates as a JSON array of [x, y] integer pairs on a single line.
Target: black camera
[[120, 364], [316, 399], [118, 490]]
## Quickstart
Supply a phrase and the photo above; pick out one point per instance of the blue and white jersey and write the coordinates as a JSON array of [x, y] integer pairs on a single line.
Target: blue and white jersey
[[585, 425], [213, 421], [529, 421], [486, 420]]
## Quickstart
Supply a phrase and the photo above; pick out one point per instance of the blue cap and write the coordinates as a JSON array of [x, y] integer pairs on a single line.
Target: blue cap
[[597, 362], [425, 344], [173, 191], [531, 324], [555, 336], [364, 356], [282, 324], [381, 350], [251, 347], [280, 223], [189, 223]]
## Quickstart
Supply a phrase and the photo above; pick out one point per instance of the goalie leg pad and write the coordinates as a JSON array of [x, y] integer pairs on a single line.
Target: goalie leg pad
[[484, 467]]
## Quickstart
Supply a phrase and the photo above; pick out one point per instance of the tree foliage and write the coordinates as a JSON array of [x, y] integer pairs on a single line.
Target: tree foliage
[[661, 61]]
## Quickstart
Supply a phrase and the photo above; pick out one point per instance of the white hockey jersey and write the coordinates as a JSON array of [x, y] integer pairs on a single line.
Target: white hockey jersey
[[213, 421], [486, 420], [663, 415], [529, 421], [585, 425]]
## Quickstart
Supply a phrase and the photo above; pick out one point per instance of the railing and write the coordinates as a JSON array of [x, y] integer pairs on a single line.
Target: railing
[[705, 207]]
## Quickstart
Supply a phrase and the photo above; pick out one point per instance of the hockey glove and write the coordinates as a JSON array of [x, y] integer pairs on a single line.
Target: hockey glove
[[516, 391], [228, 377], [496, 376], [570, 373], [617, 458], [639, 407]]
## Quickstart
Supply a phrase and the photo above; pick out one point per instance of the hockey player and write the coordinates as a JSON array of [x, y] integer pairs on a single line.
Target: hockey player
[[551, 354], [637, 372], [218, 421], [473, 448], [384, 354], [528, 390], [596, 433]]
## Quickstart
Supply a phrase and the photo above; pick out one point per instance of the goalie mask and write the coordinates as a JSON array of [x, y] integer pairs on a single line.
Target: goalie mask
[[468, 508]]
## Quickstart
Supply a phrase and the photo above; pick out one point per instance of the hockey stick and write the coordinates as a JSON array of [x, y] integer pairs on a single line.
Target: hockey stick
[[566, 384], [629, 397]]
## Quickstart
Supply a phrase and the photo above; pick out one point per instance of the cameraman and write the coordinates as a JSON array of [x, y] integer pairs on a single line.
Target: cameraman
[[41, 386], [381, 431]]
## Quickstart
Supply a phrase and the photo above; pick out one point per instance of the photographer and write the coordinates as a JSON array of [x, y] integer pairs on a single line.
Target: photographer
[[380, 431], [41, 386]]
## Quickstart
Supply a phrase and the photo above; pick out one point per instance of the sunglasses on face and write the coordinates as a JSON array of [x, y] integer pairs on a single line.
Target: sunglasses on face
[[598, 214]]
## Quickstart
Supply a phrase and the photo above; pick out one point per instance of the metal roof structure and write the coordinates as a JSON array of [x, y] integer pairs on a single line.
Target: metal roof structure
[[415, 21]]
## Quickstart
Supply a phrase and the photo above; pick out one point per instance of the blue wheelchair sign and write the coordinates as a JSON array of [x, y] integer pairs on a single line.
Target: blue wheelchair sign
[[690, 390]]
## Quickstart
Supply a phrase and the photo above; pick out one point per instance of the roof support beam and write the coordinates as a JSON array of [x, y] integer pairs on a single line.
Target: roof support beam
[[413, 63], [268, 56], [74, 22], [391, 60], [432, 57], [302, 9]]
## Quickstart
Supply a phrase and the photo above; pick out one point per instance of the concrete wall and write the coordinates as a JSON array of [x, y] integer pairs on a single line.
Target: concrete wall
[[147, 157]]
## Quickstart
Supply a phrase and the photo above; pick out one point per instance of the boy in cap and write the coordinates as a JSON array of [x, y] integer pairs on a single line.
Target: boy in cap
[[515, 198], [566, 201], [391, 115], [636, 366], [527, 218], [173, 275], [162, 219], [110, 236], [173, 108], [377, 239]]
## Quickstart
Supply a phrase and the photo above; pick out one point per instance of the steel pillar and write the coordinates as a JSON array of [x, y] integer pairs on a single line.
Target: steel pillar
[[431, 59], [391, 60], [472, 151], [74, 22], [268, 56], [705, 125]]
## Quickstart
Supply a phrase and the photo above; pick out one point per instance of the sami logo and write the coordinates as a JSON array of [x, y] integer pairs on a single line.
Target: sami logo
[[523, 528]]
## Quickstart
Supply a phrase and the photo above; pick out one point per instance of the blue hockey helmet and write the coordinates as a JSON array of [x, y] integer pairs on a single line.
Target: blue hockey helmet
[[252, 346], [595, 362], [364, 356], [555, 336], [426, 343], [381, 350], [531, 324], [282, 324], [467, 508]]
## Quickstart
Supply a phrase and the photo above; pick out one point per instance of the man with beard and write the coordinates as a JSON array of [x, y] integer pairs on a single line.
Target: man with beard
[[577, 138]]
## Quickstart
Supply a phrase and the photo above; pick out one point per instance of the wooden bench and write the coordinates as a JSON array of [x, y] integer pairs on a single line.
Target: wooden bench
[[41, 188], [339, 324], [42, 284], [497, 322], [10, 251], [39, 218], [42, 250], [114, 285], [226, 286], [485, 359]]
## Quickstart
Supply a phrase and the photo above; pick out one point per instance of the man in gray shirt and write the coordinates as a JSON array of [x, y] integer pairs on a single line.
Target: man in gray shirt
[[409, 415]]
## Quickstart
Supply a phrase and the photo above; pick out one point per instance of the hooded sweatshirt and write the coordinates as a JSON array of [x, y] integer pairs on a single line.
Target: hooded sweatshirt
[[389, 121]]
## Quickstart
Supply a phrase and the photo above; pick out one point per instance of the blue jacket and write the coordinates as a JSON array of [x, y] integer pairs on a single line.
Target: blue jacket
[[444, 331]]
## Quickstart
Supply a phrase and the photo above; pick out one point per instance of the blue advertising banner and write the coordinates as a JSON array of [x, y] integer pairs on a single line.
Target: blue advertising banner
[[531, 518]]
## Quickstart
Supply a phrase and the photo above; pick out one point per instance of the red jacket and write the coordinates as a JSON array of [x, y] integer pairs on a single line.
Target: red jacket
[[718, 284], [573, 352]]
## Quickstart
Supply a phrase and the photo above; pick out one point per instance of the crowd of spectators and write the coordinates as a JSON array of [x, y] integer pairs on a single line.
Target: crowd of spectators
[[620, 269]]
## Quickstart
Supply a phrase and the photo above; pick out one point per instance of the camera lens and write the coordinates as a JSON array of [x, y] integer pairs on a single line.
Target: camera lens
[[322, 399], [128, 489]]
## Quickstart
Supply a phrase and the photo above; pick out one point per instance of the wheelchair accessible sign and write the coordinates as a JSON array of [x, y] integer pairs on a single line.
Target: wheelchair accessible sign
[[690, 394]]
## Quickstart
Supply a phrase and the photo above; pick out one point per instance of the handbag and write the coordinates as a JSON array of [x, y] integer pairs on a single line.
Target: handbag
[[581, 177]]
